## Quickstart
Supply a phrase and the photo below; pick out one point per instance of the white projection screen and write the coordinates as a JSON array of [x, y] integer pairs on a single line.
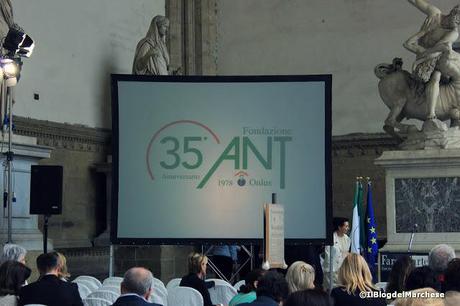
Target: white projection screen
[[195, 158]]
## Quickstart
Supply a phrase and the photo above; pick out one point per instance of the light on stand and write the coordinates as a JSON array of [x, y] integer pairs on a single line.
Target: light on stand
[[10, 68], [10, 71], [17, 44]]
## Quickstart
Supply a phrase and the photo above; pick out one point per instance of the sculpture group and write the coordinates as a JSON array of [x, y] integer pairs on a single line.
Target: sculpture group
[[430, 93]]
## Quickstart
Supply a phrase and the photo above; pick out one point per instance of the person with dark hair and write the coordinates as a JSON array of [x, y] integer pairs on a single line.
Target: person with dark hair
[[420, 277], [452, 275], [398, 275], [197, 264], [309, 297], [224, 258], [13, 276], [247, 292], [50, 289], [452, 283], [339, 250], [272, 290]]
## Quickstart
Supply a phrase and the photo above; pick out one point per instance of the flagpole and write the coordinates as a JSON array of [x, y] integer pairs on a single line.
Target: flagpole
[[330, 270]]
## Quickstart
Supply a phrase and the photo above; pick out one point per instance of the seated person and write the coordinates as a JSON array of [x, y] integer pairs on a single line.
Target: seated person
[[300, 276], [63, 273], [197, 264], [310, 297], [355, 278], [247, 292], [272, 290], [14, 252], [13, 276], [136, 288], [420, 277], [50, 289], [399, 273], [225, 257], [452, 283]]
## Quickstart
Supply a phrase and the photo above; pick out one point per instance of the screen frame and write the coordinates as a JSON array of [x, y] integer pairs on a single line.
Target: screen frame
[[115, 78]]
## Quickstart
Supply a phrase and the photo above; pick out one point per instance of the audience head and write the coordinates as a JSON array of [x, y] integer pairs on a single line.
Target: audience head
[[197, 263], [251, 281], [420, 277], [48, 263], [137, 280], [354, 274], [399, 273], [428, 301], [310, 297], [62, 272], [13, 275], [300, 276], [452, 275], [273, 284], [341, 225], [439, 257], [13, 252]]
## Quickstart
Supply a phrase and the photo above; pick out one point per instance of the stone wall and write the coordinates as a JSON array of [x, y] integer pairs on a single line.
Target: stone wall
[[77, 149], [352, 156], [78, 45]]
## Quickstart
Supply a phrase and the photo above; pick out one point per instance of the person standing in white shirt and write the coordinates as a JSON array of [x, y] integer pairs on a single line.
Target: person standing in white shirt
[[339, 250]]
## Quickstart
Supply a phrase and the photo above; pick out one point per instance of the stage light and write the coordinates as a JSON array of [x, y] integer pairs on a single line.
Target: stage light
[[10, 68], [18, 43], [10, 71]]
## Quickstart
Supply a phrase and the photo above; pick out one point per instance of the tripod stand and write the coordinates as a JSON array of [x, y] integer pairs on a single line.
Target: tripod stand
[[7, 94]]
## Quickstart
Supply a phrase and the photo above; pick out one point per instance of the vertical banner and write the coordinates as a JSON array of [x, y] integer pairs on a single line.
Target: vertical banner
[[274, 235]]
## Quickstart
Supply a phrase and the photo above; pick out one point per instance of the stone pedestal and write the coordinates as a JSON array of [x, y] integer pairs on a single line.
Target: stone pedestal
[[25, 227], [423, 188]]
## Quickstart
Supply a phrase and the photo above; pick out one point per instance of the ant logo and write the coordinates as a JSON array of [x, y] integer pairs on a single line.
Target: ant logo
[[241, 180]]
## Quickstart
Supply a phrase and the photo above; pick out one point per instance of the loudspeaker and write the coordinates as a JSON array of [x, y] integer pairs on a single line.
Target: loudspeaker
[[46, 190]]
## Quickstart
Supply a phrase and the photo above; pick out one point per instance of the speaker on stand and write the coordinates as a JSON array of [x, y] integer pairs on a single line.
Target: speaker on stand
[[46, 194]]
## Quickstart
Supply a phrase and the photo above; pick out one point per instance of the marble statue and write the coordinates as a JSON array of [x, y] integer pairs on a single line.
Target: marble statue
[[430, 93], [6, 18], [151, 57]]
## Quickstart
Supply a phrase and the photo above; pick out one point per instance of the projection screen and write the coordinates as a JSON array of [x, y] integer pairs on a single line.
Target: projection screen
[[195, 158]]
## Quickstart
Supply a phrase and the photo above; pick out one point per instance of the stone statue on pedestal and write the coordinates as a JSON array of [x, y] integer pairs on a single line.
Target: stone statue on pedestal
[[430, 93], [6, 18], [152, 57]]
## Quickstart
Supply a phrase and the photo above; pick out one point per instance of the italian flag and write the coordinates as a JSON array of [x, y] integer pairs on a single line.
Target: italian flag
[[355, 223]]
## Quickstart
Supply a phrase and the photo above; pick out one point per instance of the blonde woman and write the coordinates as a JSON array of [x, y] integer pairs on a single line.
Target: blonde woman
[[355, 278], [197, 264], [300, 276], [63, 274]]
